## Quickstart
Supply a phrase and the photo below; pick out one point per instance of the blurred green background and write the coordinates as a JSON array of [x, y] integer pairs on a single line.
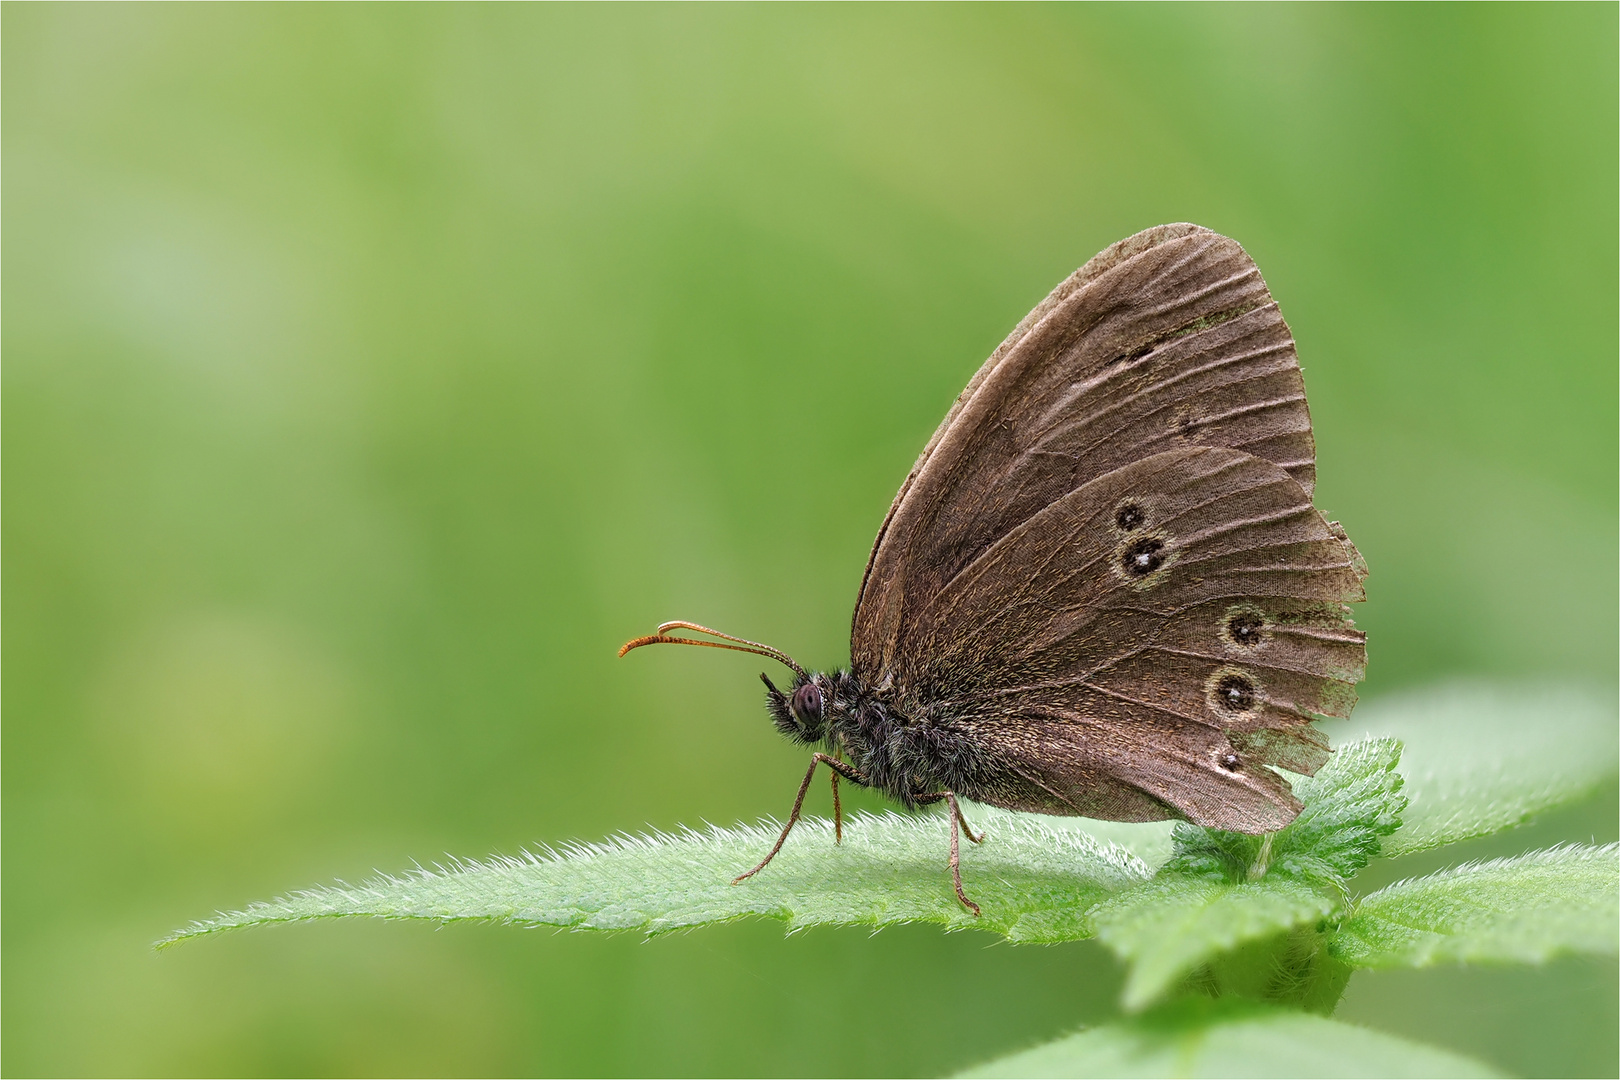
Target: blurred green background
[[372, 372]]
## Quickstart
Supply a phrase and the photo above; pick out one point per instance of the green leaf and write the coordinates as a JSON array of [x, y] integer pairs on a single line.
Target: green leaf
[[1481, 758], [1349, 805], [1149, 841], [1223, 890], [1199, 1039], [1035, 883], [1173, 924], [1532, 908]]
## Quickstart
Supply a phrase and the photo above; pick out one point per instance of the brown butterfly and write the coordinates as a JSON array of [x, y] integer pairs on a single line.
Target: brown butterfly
[[1103, 590]]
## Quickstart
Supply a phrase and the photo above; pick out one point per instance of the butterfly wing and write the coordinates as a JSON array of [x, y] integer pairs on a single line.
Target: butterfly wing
[[1149, 641], [1166, 339], [1149, 413]]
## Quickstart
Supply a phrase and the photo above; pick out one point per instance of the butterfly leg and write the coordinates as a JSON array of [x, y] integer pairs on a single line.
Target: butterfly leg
[[957, 823], [838, 810], [956, 808], [837, 767], [959, 826]]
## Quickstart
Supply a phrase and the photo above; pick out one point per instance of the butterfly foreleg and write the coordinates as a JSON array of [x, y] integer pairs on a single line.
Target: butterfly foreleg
[[838, 809], [849, 771]]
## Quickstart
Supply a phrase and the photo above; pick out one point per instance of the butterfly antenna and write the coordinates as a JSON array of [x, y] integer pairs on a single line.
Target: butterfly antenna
[[742, 644]]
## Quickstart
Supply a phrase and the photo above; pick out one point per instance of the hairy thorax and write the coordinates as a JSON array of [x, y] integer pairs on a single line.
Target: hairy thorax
[[911, 760]]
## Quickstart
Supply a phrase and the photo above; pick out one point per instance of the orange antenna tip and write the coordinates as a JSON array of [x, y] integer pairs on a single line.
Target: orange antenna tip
[[650, 639]]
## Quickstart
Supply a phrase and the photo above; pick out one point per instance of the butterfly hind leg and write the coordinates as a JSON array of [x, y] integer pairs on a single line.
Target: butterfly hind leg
[[838, 767], [959, 825]]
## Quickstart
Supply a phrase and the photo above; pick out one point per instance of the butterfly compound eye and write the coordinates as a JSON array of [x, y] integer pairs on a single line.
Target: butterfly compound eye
[[807, 705]]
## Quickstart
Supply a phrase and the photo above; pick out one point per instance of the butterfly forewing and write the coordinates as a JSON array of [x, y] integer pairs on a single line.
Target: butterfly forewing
[[1175, 345]]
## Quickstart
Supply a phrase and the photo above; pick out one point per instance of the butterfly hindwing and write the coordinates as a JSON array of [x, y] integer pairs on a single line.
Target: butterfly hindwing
[[1226, 640]]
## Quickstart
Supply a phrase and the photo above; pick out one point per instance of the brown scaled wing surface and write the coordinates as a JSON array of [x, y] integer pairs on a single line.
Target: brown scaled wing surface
[[1151, 406]]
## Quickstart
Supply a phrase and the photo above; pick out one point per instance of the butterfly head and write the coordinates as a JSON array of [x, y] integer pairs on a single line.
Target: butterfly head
[[801, 712]]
